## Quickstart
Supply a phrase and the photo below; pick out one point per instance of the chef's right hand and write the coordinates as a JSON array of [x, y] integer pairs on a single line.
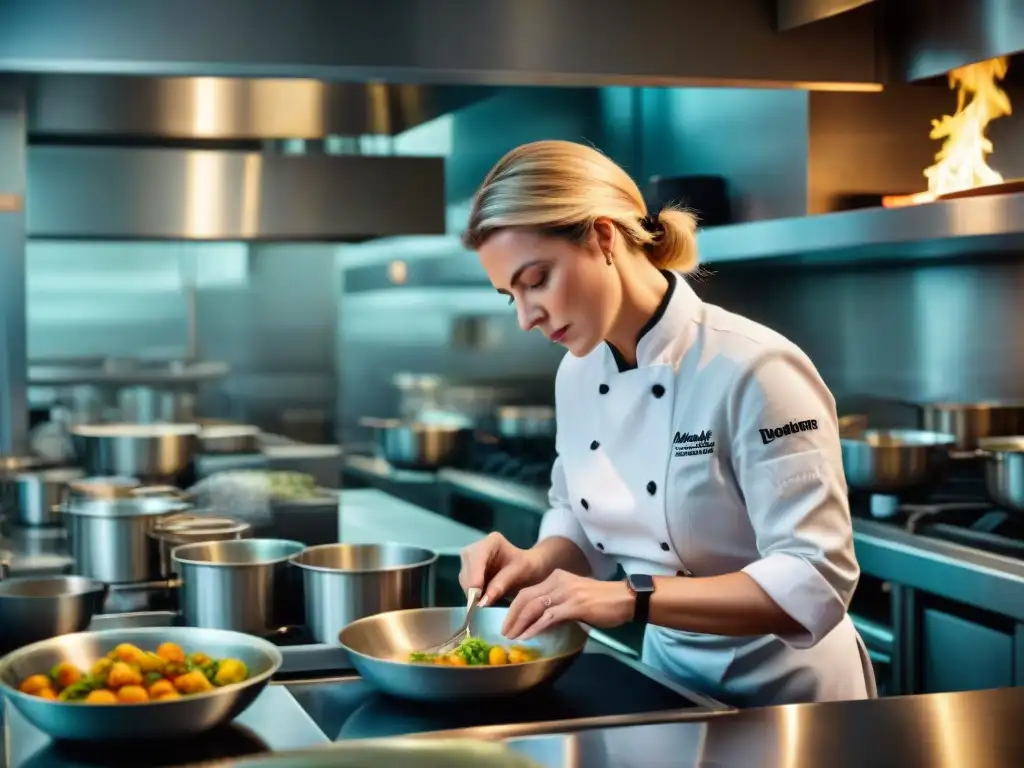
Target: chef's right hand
[[496, 566]]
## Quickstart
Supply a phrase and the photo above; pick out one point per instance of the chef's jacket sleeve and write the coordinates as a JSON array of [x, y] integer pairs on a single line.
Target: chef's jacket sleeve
[[561, 520], [788, 463]]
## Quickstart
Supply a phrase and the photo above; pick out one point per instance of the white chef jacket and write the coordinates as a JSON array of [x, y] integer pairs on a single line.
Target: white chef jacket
[[718, 452]]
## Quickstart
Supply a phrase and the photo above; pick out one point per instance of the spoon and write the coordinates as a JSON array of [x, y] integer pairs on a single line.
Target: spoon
[[472, 600]]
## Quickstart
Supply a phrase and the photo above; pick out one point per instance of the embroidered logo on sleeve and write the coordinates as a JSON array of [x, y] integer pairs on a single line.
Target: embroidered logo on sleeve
[[774, 433], [693, 443]]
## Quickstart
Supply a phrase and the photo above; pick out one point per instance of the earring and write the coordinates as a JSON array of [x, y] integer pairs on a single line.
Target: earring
[[608, 258]]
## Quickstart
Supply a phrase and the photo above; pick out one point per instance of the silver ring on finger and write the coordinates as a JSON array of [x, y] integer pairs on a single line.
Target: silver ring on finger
[[547, 601]]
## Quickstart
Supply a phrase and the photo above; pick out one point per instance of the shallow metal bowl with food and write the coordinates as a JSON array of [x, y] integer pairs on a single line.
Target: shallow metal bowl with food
[[379, 647], [184, 716]]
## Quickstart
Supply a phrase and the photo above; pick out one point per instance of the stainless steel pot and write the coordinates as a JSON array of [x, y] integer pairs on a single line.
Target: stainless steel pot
[[145, 451], [39, 608], [230, 439], [971, 422], [517, 421], [417, 445], [246, 585], [890, 461], [41, 494], [345, 582], [10, 468], [109, 538], [1004, 471], [192, 528]]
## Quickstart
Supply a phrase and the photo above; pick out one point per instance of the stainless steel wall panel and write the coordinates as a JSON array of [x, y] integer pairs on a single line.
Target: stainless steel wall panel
[[13, 361]]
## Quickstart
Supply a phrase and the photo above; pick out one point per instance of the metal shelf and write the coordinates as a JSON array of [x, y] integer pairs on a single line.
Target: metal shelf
[[992, 224]]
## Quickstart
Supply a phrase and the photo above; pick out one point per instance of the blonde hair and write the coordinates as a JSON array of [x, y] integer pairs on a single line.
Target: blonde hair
[[560, 188]]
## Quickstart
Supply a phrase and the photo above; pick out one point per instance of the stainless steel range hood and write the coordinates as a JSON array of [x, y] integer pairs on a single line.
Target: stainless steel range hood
[[111, 193], [928, 38], [497, 42], [214, 108], [223, 159], [923, 39]]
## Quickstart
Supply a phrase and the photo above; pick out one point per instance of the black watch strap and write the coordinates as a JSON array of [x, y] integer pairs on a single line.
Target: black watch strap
[[642, 587]]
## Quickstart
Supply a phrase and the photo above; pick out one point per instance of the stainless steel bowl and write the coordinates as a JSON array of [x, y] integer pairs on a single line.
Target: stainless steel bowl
[[345, 582], [895, 460], [378, 646], [245, 585], [182, 717], [36, 608]]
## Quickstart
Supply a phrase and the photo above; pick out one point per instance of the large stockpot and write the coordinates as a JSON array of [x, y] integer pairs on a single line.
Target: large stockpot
[[109, 538], [245, 585], [147, 451], [193, 527], [419, 445], [346, 582], [971, 422], [39, 495], [891, 461], [1004, 471]]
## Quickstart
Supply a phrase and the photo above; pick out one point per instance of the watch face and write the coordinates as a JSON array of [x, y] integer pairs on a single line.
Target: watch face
[[641, 582]]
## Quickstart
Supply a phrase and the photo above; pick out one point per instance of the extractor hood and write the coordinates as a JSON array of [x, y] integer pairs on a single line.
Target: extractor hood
[[225, 159], [922, 39], [467, 42], [111, 193]]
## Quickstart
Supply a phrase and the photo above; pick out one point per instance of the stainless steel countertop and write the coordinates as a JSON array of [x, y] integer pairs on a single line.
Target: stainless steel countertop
[[979, 729]]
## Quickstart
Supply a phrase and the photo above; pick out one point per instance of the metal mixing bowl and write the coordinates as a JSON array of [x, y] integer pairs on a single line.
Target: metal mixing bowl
[[35, 608], [378, 646], [186, 716]]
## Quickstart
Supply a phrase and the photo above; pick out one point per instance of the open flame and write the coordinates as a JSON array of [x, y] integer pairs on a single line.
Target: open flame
[[960, 163]]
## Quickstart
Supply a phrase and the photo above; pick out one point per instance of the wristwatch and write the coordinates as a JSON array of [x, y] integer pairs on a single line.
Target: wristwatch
[[641, 586]]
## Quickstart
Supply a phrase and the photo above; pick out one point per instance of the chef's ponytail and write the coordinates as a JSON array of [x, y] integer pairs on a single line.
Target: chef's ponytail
[[675, 245], [561, 188]]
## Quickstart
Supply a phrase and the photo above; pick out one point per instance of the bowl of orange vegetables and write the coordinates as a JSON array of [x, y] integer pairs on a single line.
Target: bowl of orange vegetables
[[127, 685]]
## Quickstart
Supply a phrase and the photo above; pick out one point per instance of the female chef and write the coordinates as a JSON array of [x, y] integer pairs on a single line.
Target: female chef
[[697, 449]]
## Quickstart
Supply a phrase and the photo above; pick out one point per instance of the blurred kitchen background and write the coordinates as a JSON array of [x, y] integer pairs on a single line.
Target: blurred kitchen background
[[201, 238]]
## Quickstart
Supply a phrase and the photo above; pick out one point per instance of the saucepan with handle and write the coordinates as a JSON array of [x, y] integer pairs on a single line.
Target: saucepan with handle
[[895, 461], [1004, 471]]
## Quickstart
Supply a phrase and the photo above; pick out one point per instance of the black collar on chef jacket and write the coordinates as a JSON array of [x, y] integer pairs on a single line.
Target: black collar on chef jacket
[[659, 313]]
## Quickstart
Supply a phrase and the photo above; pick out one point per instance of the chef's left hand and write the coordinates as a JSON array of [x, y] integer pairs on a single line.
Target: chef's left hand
[[564, 596]]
